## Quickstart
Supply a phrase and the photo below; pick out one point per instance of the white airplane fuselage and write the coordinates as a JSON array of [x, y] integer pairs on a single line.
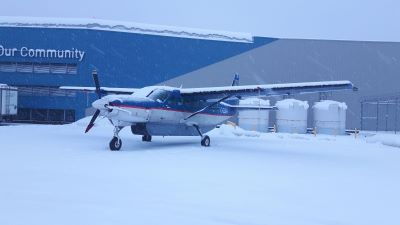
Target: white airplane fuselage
[[164, 117]]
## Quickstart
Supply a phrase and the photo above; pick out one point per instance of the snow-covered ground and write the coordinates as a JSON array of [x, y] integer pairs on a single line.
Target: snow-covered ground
[[58, 175]]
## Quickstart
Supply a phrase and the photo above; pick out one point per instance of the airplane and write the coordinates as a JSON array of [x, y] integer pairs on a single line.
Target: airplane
[[169, 111]]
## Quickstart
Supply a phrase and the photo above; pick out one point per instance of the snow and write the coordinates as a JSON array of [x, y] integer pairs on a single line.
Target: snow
[[385, 139], [58, 175], [122, 26]]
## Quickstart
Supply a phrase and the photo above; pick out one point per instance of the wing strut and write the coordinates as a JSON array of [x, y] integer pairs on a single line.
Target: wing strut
[[211, 105]]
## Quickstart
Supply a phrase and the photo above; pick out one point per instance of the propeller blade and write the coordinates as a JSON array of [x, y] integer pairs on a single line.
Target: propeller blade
[[96, 83], [91, 123]]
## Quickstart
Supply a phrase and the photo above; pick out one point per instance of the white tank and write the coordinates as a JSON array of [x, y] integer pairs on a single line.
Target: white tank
[[254, 119], [291, 116], [330, 117]]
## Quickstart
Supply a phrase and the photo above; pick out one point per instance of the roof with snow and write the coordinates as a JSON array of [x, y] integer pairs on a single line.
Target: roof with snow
[[121, 26]]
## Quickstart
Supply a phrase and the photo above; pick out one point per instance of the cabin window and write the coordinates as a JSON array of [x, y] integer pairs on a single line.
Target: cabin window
[[159, 95], [175, 100]]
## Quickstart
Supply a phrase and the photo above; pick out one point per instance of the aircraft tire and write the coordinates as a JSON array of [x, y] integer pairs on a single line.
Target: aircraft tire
[[205, 141], [115, 144]]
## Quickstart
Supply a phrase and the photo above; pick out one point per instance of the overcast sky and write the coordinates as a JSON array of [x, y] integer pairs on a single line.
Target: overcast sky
[[326, 19]]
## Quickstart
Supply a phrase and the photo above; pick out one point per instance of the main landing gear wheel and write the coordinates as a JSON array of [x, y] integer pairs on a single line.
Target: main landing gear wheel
[[146, 138], [115, 144], [205, 141]]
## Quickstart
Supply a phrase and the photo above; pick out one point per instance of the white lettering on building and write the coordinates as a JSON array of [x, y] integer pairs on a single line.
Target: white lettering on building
[[42, 53]]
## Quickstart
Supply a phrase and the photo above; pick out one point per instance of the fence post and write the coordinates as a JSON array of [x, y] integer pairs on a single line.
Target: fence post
[[386, 116], [395, 115], [362, 115], [377, 116]]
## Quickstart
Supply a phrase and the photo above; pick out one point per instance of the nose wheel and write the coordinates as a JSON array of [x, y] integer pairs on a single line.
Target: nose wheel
[[116, 143]]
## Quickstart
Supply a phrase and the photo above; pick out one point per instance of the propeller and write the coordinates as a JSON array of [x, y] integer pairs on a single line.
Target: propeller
[[96, 83], [91, 123], [98, 92]]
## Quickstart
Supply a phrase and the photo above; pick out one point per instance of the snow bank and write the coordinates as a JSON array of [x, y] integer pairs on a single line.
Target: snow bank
[[385, 139], [233, 131], [121, 26]]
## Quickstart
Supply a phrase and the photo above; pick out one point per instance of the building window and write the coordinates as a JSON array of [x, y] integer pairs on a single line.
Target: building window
[[41, 67], [24, 114], [58, 68], [56, 115], [69, 115], [45, 115], [25, 67], [30, 67], [72, 68], [44, 91], [39, 115], [8, 67]]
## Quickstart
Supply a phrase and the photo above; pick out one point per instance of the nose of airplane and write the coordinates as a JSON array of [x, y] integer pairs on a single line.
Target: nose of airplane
[[100, 104]]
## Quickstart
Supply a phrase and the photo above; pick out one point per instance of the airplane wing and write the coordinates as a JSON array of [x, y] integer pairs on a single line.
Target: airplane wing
[[104, 90], [266, 90]]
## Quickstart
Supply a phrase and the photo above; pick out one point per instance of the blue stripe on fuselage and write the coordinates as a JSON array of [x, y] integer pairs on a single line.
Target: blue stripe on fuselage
[[218, 110]]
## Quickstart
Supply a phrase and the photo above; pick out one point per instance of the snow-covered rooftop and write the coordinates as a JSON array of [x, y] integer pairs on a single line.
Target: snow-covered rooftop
[[120, 26]]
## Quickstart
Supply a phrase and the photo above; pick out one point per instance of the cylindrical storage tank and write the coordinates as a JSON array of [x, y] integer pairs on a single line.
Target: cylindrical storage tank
[[253, 119], [330, 117], [291, 116]]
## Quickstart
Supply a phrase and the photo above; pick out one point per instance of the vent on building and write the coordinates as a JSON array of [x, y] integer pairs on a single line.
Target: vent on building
[[30, 67], [8, 67], [25, 67]]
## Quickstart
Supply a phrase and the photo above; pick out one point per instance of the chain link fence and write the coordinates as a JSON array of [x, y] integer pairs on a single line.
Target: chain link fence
[[381, 113]]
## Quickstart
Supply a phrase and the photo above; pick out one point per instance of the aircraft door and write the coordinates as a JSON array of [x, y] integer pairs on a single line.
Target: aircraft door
[[169, 110], [174, 106]]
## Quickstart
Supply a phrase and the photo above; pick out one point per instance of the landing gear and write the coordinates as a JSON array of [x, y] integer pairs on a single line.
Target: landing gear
[[146, 138], [205, 139], [116, 143]]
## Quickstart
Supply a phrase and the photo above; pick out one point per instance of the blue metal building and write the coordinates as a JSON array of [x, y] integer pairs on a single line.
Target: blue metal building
[[40, 58]]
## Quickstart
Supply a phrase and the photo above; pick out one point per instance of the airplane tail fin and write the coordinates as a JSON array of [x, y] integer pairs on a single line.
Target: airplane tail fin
[[235, 81]]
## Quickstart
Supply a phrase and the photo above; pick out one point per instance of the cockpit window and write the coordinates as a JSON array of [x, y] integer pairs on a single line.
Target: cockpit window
[[158, 95]]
